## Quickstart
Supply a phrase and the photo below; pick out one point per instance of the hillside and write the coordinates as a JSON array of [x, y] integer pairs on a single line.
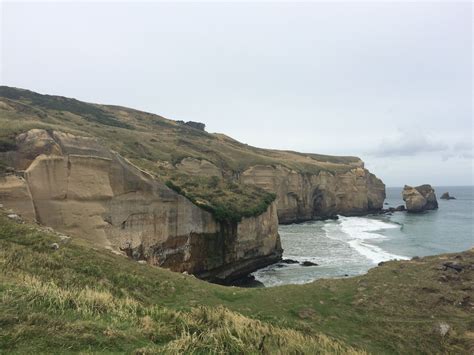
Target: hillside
[[166, 192], [190, 159], [142, 135], [78, 298]]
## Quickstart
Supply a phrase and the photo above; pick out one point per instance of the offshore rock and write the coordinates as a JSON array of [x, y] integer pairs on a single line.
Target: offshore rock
[[420, 198], [447, 196]]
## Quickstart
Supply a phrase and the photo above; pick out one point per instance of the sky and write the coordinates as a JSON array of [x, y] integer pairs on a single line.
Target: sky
[[390, 82]]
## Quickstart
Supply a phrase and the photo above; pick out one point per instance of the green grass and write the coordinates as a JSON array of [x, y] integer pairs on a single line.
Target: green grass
[[78, 298], [214, 194], [87, 111]]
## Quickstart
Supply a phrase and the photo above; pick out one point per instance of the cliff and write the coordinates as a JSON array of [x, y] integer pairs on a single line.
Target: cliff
[[158, 188], [78, 187], [303, 197]]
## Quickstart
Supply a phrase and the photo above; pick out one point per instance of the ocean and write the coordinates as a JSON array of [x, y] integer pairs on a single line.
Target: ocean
[[351, 246]]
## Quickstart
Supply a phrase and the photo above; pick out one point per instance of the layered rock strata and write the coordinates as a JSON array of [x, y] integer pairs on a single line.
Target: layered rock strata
[[78, 187], [304, 196]]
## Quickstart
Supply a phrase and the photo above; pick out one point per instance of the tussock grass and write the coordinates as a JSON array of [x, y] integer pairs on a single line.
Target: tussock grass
[[85, 301], [80, 299], [221, 331], [202, 330], [54, 301]]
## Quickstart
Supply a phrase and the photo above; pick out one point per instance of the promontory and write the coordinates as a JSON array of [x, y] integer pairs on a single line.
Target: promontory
[[162, 191]]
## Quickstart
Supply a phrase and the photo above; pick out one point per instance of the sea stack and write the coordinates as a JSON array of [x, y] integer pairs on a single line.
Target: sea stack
[[446, 196], [420, 198]]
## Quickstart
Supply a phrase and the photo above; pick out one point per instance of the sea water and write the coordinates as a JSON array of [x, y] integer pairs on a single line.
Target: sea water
[[351, 246]]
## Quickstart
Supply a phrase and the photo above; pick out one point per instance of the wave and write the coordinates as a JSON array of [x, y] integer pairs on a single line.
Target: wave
[[359, 232]]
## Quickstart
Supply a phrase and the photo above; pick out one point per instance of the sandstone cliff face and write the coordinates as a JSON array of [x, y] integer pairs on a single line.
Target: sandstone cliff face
[[78, 187], [311, 196]]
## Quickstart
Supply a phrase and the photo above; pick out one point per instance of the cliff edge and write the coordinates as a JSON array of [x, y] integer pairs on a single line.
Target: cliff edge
[[78, 187], [163, 191]]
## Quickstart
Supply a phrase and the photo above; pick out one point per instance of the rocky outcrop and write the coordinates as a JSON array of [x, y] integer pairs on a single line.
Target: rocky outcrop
[[198, 167], [196, 125], [420, 198], [78, 187], [303, 196], [447, 196]]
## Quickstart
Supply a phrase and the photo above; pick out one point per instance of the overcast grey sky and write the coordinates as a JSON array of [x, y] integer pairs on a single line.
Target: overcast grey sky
[[389, 82]]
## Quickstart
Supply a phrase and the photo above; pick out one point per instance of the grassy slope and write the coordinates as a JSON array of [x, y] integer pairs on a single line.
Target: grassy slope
[[79, 298], [139, 134], [146, 138]]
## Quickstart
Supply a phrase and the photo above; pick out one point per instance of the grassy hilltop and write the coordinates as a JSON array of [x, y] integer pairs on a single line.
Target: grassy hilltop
[[155, 144], [78, 298]]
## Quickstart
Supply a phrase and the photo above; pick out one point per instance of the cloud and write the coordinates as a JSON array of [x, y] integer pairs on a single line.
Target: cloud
[[463, 150], [463, 145], [408, 143], [467, 155], [414, 142]]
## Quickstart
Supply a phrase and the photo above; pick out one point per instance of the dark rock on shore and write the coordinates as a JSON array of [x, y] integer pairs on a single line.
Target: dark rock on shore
[[420, 198], [308, 263], [289, 261], [455, 266], [400, 208], [446, 196]]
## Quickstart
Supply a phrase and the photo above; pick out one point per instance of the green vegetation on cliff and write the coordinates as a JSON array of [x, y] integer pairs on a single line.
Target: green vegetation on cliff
[[150, 140], [77, 298], [214, 195]]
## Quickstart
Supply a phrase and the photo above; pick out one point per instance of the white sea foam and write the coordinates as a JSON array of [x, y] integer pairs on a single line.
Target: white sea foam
[[359, 232]]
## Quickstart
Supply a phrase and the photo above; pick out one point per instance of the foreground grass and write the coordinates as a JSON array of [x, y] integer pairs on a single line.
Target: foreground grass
[[77, 298], [80, 299]]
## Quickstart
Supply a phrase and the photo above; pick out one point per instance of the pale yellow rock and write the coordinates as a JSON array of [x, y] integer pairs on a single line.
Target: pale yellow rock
[[419, 198], [306, 196], [88, 178], [30, 145], [47, 177], [77, 187], [15, 195]]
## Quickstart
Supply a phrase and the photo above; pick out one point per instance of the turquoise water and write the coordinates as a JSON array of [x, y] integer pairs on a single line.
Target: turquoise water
[[352, 245]]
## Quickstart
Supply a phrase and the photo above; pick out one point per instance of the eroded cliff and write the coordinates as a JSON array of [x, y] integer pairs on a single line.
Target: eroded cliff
[[164, 191], [78, 187], [307, 196], [213, 171]]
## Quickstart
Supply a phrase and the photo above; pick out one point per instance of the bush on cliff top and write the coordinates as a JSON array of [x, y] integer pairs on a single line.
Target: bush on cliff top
[[227, 201]]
